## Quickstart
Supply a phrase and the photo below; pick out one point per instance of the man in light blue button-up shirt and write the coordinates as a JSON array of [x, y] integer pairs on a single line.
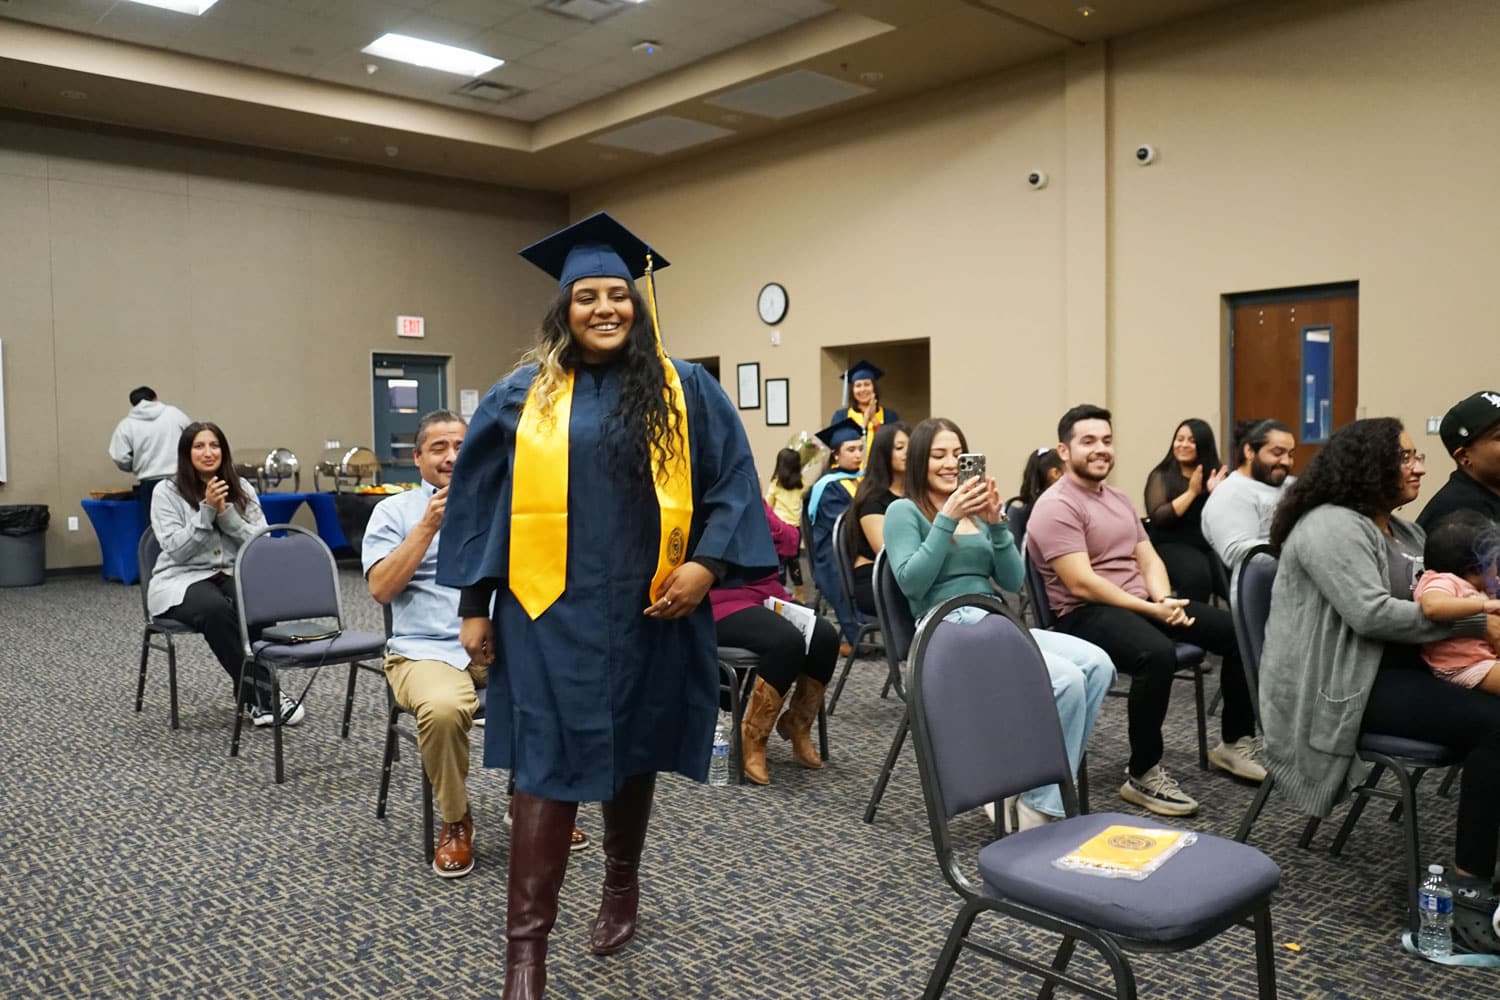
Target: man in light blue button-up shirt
[[429, 672]]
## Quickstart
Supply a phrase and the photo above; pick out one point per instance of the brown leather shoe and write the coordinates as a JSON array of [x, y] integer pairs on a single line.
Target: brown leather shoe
[[755, 728], [454, 856], [796, 725], [625, 819]]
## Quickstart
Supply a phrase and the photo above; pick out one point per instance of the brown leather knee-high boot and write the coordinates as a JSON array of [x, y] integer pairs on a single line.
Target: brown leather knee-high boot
[[755, 728], [625, 820], [796, 724], [540, 835]]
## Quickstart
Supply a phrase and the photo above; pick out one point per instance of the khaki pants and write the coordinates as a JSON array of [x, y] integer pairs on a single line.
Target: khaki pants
[[443, 700]]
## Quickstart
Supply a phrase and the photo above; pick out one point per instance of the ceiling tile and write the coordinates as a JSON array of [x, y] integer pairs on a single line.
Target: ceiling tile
[[437, 29], [480, 13], [518, 74], [556, 57], [542, 26], [662, 134], [505, 46], [602, 40], [535, 106]]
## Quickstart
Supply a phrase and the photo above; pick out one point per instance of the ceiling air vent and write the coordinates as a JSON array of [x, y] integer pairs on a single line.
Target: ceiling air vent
[[485, 90], [585, 10]]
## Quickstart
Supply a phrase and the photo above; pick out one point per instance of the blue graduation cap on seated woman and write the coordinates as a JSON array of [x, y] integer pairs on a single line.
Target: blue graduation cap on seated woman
[[861, 401]]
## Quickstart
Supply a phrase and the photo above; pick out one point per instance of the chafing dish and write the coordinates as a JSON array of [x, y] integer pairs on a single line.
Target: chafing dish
[[347, 470], [268, 468]]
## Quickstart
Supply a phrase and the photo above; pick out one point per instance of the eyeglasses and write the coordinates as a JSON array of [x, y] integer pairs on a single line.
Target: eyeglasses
[[1410, 458]]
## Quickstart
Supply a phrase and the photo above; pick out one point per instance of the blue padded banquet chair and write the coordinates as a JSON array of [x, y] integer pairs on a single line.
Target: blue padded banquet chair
[[984, 728], [285, 573], [899, 628], [868, 628]]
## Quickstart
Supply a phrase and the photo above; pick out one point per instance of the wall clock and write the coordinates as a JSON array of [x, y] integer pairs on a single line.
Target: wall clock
[[772, 304]]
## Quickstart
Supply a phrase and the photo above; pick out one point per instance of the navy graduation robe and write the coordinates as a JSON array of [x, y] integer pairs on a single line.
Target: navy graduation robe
[[593, 691], [834, 498]]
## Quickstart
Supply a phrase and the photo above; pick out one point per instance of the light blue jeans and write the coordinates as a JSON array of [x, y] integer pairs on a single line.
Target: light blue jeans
[[1082, 675]]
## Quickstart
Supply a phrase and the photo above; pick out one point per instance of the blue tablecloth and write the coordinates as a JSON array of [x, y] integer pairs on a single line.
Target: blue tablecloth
[[327, 517], [118, 524], [279, 508]]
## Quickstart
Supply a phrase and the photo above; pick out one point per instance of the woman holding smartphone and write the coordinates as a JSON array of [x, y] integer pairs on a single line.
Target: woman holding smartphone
[[947, 538], [201, 517]]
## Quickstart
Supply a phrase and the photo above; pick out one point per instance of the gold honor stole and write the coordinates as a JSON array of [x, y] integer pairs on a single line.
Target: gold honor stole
[[876, 422], [539, 497]]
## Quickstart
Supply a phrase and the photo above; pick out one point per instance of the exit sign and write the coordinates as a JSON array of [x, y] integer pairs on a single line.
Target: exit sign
[[411, 326]]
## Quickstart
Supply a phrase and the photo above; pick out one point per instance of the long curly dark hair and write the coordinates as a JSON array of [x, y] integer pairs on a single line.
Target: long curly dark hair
[[1359, 468], [189, 486], [1203, 440], [877, 480], [643, 391]]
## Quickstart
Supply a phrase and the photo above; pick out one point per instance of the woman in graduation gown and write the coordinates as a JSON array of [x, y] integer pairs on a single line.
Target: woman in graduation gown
[[864, 408], [601, 491]]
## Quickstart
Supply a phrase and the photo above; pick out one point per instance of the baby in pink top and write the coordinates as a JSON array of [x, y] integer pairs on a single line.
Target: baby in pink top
[[1454, 586]]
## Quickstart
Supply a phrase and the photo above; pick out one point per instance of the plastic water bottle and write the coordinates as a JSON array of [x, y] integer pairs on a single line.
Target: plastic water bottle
[[718, 763], [1435, 900]]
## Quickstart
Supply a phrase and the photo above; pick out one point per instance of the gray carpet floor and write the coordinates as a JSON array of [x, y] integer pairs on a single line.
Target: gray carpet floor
[[140, 862]]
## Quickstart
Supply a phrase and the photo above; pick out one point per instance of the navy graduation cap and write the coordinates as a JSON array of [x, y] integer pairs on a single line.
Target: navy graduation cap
[[840, 432], [597, 247], [862, 369]]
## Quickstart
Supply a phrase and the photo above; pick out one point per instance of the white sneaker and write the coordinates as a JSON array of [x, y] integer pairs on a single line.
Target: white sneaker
[[291, 713], [1157, 791], [1028, 818], [1238, 758]]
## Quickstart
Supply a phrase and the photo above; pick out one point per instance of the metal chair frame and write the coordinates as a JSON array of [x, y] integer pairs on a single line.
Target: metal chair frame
[[251, 657], [157, 627], [978, 899], [1036, 590]]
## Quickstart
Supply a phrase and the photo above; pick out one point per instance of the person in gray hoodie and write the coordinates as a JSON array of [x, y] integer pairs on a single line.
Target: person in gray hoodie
[[1341, 653], [145, 442]]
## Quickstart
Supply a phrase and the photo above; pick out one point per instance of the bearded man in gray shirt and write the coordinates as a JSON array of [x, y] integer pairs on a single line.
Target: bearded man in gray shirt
[[1237, 516]]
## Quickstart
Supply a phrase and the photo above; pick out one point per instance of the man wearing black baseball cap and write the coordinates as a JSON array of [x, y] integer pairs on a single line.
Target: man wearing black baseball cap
[[1471, 436]]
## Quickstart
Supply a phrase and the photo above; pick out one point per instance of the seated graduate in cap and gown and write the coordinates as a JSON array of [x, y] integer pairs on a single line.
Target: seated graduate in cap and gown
[[864, 408], [602, 489], [829, 497]]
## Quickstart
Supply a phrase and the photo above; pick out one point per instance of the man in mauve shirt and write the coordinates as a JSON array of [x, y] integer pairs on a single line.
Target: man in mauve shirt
[[1106, 583]]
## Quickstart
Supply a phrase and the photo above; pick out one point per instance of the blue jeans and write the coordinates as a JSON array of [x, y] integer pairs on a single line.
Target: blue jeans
[[1082, 675]]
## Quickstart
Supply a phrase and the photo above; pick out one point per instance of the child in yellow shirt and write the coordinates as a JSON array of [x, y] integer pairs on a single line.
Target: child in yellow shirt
[[785, 497]]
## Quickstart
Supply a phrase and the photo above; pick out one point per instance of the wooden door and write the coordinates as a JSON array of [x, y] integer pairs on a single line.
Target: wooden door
[[1295, 357]]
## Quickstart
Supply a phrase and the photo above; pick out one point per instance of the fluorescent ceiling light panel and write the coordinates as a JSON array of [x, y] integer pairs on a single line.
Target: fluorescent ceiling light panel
[[194, 7], [432, 55]]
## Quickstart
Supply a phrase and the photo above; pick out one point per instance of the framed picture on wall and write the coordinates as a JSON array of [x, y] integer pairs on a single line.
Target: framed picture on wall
[[749, 385], [776, 402]]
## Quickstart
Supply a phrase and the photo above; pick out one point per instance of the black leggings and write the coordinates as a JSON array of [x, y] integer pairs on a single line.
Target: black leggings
[[1407, 700], [778, 643], [208, 606], [864, 588]]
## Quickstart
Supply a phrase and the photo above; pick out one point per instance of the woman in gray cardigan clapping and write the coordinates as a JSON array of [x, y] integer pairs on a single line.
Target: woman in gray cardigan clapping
[[1341, 652], [201, 517]]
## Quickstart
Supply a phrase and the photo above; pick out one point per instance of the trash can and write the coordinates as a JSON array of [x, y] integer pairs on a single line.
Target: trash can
[[23, 545]]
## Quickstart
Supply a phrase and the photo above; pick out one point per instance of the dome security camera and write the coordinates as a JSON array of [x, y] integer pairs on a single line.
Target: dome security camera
[[1145, 154], [1036, 180]]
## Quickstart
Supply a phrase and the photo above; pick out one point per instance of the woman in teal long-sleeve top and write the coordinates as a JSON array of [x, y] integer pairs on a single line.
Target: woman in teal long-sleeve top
[[944, 540]]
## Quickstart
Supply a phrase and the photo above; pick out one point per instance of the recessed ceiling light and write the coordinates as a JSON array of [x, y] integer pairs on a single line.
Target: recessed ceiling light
[[72, 95], [194, 7], [1086, 10], [343, 140], [871, 76], [432, 55]]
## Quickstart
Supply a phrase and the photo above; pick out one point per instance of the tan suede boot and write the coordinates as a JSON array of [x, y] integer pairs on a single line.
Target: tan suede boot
[[760, 715], [796, 724]]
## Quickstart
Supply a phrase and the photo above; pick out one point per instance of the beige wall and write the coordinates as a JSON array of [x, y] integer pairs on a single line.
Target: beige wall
[[1300, 143], [248, 290]]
